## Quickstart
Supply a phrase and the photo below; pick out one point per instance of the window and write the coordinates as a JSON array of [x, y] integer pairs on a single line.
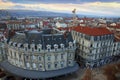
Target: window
[[34, 65], [49, 66], [40, 65], [28, 65], [91, 45], [19, 56], [32, 49], [81, 35], [56, 64], [100, 38], [62, 46], [56, 56], [48, 48], [15, 54], [87, 37], [49, 58], [39, 49], [25, 48], [69, 54], [33, 57], [62, 56], [27, 57], [111, 36], [95, 38], [39, 58], [90, 51], [62, 63], [55, 47], [69, 62], [97, 44]]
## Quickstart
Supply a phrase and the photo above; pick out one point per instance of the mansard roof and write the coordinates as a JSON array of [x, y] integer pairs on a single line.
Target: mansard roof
[[44, 37]]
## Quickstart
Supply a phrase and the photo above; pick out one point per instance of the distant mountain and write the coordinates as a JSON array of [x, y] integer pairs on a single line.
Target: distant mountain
[[24, 13], [4, 13]]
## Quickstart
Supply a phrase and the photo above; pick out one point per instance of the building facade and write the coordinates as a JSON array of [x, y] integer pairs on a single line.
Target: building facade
[[97, 46], [40, 53]]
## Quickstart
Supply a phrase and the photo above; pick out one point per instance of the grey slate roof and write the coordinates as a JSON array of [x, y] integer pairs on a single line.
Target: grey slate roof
[[43, 37], [37, 74]]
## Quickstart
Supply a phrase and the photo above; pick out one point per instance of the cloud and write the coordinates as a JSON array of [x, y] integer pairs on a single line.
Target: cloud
[[5, 4], [94, 8], [60, 1]]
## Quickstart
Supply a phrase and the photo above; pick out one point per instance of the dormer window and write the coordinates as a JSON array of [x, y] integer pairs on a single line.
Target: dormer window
[[70, 44], [25, 47], [32, 47], [55, 47], [62, 46], [48, 47], [39, 47]]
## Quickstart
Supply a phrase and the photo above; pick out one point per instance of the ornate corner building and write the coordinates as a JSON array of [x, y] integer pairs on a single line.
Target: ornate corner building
[[39, 54]]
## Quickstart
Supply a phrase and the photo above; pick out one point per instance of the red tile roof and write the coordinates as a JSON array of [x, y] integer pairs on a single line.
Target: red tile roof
[[93, 31]]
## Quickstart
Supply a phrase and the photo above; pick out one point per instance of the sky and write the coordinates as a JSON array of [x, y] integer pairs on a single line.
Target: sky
[[86, 7]]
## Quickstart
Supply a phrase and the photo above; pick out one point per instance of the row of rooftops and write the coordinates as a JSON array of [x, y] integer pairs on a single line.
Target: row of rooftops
[[92, 31], [44, 37]]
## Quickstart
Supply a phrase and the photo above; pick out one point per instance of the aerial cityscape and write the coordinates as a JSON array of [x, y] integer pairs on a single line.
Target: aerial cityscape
[[59, 40]]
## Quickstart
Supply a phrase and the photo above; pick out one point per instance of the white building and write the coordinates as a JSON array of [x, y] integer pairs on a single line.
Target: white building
[[61, 24], [97, 45], [43, 54]]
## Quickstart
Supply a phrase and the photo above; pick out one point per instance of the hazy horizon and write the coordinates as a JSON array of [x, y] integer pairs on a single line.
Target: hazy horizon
[[86, 7]]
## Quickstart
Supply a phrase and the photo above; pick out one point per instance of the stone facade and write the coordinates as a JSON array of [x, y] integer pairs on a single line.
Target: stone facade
[[96, 50], [39, 59]]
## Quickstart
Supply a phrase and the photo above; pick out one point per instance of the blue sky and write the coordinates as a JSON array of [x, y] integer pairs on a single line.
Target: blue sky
[[60, 1], [91, 7]]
